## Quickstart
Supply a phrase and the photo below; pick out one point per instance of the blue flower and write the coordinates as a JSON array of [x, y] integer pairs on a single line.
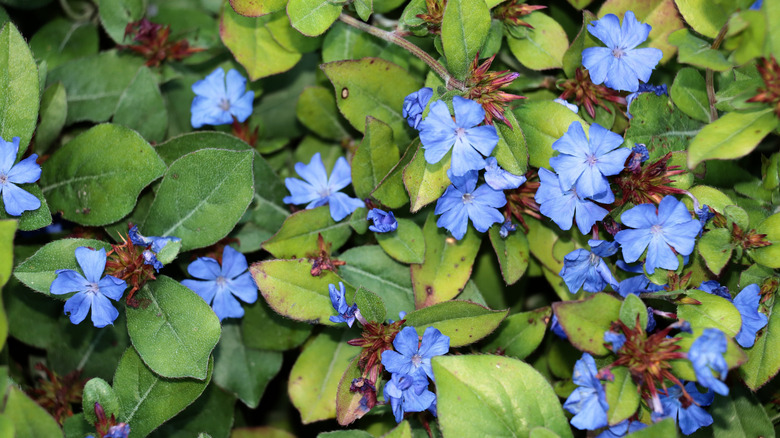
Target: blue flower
[[622, 429], [222, 283], [616, 339], [218, 99], [414, 357], [706, 356], [346, 313], [556, 328], [154, 243], [121, 430], [658, 232], [93, 291], [644, 88], [15, 199], [568, 105], [439, 133], [752, 320], [461, 202], [756, 6], [713, 287], [383, 222], [691, 418], [584, 164], [704, 215], [586, 269], [588, 402], [620, 65], [414, 105], [318, 189], [564, 205], [506, 228], [498, 178], [408, 393], [639, 155]]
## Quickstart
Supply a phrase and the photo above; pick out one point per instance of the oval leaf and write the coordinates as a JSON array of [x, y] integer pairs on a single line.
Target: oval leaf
[[520, 334], [463, 321], [19, 91], [586, 321], [464, 28], [299, 234], [732, 136]]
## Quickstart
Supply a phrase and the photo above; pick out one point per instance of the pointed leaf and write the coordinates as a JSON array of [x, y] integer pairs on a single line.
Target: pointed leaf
[[622, 395], [426, 182], [19, 90], [520, 334], [463, 321], [464, 29], [732, 136], [312, 17], [375, 157], [586, 321], [544, 46], [299, 234]]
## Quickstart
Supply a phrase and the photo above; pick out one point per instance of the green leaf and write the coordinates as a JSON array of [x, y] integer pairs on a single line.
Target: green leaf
[[463, 321], [770, 255], [147, 400], [666, 428], [406, 244], [141, 107], [370, 267], [364, 8], [511, 152], [372, 87], [544, 46], [512, 254], [622, 395], [544, 122], [695, 51], [99, 391], [633, 307], [348, 407], [201, 197], [298, 235], [312, 17], [689, 94], [740, 415], [7, 232], [96, 352], [746, 35], [320, 366], [520, 334], [375, 157], [714, 311], [762, 361], [38, 272], [661, 15], [211, 415], [292, 291], [61, 40], [704, 16], [715, 248], [586, 321], [403, 430], [426, 182], [370, 304], [660, 126], [54, 110], [572, 58], [256, 8], [496, 405], [253, 45], [447, 266], [243, 371], [683, 369], [173, 330], [264, 329], [732, 136], [28, 419], [464, 30], [116, 14], [92, 187], [19, 89], [317, 111]]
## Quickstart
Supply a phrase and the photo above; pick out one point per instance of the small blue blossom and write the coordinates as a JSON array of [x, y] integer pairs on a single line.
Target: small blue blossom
[[414, 105], [713, 287], [338, 300], [588, 402], [463, 201], [318, 189], [223, 284], [469, 142], [671, 226], [616, 339], [747, 302], [756, 6], [498, 178], [622, 429], [639, 155], [93, 291], [16, 200], [121, 430], [507, 227], [689, 419], [384, 222], [706, 356], [650, 320], [586, 269], [659, 90], [408, 393], [584, 164], [154, 243], [705, 214], [564, 205], [412, 356], [218, 99], [556, 328], [620, 65], [568, 105]]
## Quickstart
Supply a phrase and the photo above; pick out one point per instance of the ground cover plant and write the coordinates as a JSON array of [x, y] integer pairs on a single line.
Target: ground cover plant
[[365, 218]]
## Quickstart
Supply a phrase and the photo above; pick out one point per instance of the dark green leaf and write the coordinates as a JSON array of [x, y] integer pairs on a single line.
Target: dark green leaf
[[19, 90], [370, 305], [740, 415], [264, 329], [464, 29], [406, 244], [61, 40], [54, 110], [317, 111], [689, 94], [28, 419], [660, 126], [519, 334], [715, 248], [622, 395], [99, 391], [212, 412], [116, 14], [632, 308]]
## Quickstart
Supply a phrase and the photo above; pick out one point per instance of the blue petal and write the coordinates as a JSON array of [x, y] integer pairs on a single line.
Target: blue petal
[[693, 418], [68, 281], [642, 61], [235, 85], [226, 306], [243, 287], [337, 298], [434, 343], [468, 113], [341, 175], [451, 199], [437, 132], [598, 61], [112, 287], [26, 171], [213, 86], [632, 32], [8, 151], [407, 342], [607, 29], [206, 111], [205, 268], [706, 356], [587, 214], [575, 269], [455, 220], [301, 192], [498, 178], [573, 141], [314, 172], [682, 236], [17, 200], [103, 312], [633, 242], [242, 108], [78, 306], [342, 205], [482, 138], [395, 362], [660, 255], [640, 216], [747, 302], [204, 289], [233, 263], [465, 158], [92, 262]]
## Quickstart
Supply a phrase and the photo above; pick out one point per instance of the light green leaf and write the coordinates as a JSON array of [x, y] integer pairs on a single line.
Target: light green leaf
[[96, 352], [463, 321], [512, 254], [511, 152], [298, 235], [28, 419], [689, 94], [464, 30], [256, 8], [715, 248], [544, 122], [544, 46], [7, 232], [704, 16], [622, 395], [375, 157], [92, 187], [116, 14], [426, 182], [370, 305], [317, 111], [519, 334], [732, 136], [740, 415], [714, 311], [586, 321], [210, 416], [695, 51], [406, 244], [19, 89], [633, 307], [660, 126], [312, 17], [98, 390], [173, 329], [769, 255]]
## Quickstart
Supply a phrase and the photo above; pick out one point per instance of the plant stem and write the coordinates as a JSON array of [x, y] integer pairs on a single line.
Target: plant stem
[[411, 48], [709, 79]]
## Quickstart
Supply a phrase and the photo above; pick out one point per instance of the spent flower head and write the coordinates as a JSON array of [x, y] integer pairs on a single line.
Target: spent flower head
[[485, 89], [15, 199], [586, 93]]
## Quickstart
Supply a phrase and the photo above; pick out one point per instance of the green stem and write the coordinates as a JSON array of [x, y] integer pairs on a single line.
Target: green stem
[[709, 75], [411, 48]]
